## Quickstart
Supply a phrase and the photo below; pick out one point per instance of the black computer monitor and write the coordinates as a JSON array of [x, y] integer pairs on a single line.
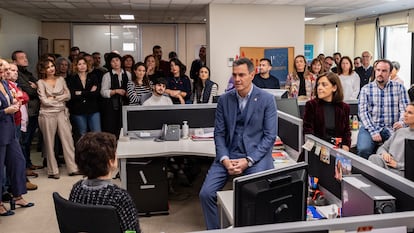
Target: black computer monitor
[[278, 93], [409, 159], [272, 196], [289, 106]]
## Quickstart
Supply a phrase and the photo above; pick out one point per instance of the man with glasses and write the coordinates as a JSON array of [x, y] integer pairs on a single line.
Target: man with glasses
[[365, 71], [328, 63]]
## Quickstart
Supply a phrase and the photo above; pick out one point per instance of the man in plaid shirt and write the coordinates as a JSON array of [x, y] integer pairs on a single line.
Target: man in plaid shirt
[[381, 107]]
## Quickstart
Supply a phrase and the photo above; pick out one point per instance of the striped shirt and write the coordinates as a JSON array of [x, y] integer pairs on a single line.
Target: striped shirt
[[135, 92], [379, 109]]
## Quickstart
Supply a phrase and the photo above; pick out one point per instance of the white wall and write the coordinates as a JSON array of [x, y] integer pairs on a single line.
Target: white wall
[[19, 33], [234, 26]]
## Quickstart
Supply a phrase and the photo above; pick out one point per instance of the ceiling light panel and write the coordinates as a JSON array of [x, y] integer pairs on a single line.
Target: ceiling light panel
[[127, 17]]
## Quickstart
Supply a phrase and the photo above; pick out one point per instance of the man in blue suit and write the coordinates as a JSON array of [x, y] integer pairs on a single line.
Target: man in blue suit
[[245, 130]]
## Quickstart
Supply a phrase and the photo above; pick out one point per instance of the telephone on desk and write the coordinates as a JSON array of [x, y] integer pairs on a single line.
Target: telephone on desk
[[169, 133]]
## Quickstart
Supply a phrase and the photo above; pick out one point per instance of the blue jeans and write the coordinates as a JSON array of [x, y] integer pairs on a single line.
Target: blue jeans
[[27, 138], [91, 122], [365, 145]]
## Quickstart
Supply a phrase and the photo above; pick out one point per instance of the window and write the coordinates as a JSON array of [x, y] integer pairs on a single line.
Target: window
[[398, 48]]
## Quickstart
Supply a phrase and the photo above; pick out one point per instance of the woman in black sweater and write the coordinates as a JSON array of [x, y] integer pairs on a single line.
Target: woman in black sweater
[[83, 105], [96, 159]]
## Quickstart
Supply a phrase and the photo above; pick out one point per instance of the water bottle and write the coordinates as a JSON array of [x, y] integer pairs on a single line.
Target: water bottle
[[185, 130], [355, 123]]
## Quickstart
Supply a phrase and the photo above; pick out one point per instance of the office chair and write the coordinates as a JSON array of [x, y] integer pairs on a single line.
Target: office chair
[[74, 217]]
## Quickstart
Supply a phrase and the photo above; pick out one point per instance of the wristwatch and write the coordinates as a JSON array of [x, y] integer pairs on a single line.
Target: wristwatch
[[249, 162]]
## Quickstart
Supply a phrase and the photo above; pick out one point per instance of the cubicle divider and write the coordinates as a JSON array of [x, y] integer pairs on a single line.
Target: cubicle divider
[[348, 224], [146, 121], [353, 107], [399, 187]]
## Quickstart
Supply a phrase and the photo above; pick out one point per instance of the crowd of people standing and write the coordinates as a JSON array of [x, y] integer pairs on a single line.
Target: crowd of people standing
[[69, 97]]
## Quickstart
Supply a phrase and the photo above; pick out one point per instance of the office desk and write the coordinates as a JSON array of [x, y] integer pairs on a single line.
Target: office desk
[[147, 148], [225, 208], [225, 203]]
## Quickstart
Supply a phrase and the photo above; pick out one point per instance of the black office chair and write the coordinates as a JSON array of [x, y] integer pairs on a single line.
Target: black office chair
[[74, 217]]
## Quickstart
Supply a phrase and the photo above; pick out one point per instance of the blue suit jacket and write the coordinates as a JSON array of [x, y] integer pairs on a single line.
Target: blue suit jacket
[[260, 127], [7, 127]]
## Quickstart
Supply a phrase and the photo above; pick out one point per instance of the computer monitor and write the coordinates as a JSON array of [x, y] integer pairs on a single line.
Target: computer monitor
[[272, 196], [290, 130], [409, 159], [278, 93], [289, 106]]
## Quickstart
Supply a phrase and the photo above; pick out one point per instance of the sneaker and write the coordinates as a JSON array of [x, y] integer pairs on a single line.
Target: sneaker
[[30, 186]]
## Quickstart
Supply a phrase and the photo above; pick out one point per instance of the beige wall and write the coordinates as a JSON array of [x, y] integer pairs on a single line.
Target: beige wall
[[353, 37], [53, 31], [235, 26], [194, 36], [314, 35]]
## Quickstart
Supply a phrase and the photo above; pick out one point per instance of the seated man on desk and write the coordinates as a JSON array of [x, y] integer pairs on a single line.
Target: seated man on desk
[[157, 96], [380, 108], [391, 154], [245, 130]]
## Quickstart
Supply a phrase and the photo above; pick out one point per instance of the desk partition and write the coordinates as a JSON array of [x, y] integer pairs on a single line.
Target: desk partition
[[338, 224], [353, 107], [399, 187], [147, 121]]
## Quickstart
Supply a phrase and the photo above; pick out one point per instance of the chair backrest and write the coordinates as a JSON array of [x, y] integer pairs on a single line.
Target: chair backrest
[[75, 217]]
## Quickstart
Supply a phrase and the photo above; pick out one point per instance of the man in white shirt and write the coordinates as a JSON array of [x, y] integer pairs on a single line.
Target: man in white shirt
[[157, 97]]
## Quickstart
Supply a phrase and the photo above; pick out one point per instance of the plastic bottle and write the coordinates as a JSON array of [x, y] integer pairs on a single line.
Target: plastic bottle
[[355, 123], [185, 130]]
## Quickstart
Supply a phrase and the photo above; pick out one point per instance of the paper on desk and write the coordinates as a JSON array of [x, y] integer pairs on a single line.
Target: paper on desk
[[205, 136], [327, 210]]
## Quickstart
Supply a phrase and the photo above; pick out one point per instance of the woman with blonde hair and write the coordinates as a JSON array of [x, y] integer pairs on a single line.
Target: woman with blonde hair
[[11, 155], [296, 84]]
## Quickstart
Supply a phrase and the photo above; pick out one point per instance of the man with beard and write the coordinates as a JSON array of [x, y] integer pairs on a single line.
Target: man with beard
[[157, 97], [381, 108], [264, 79]]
